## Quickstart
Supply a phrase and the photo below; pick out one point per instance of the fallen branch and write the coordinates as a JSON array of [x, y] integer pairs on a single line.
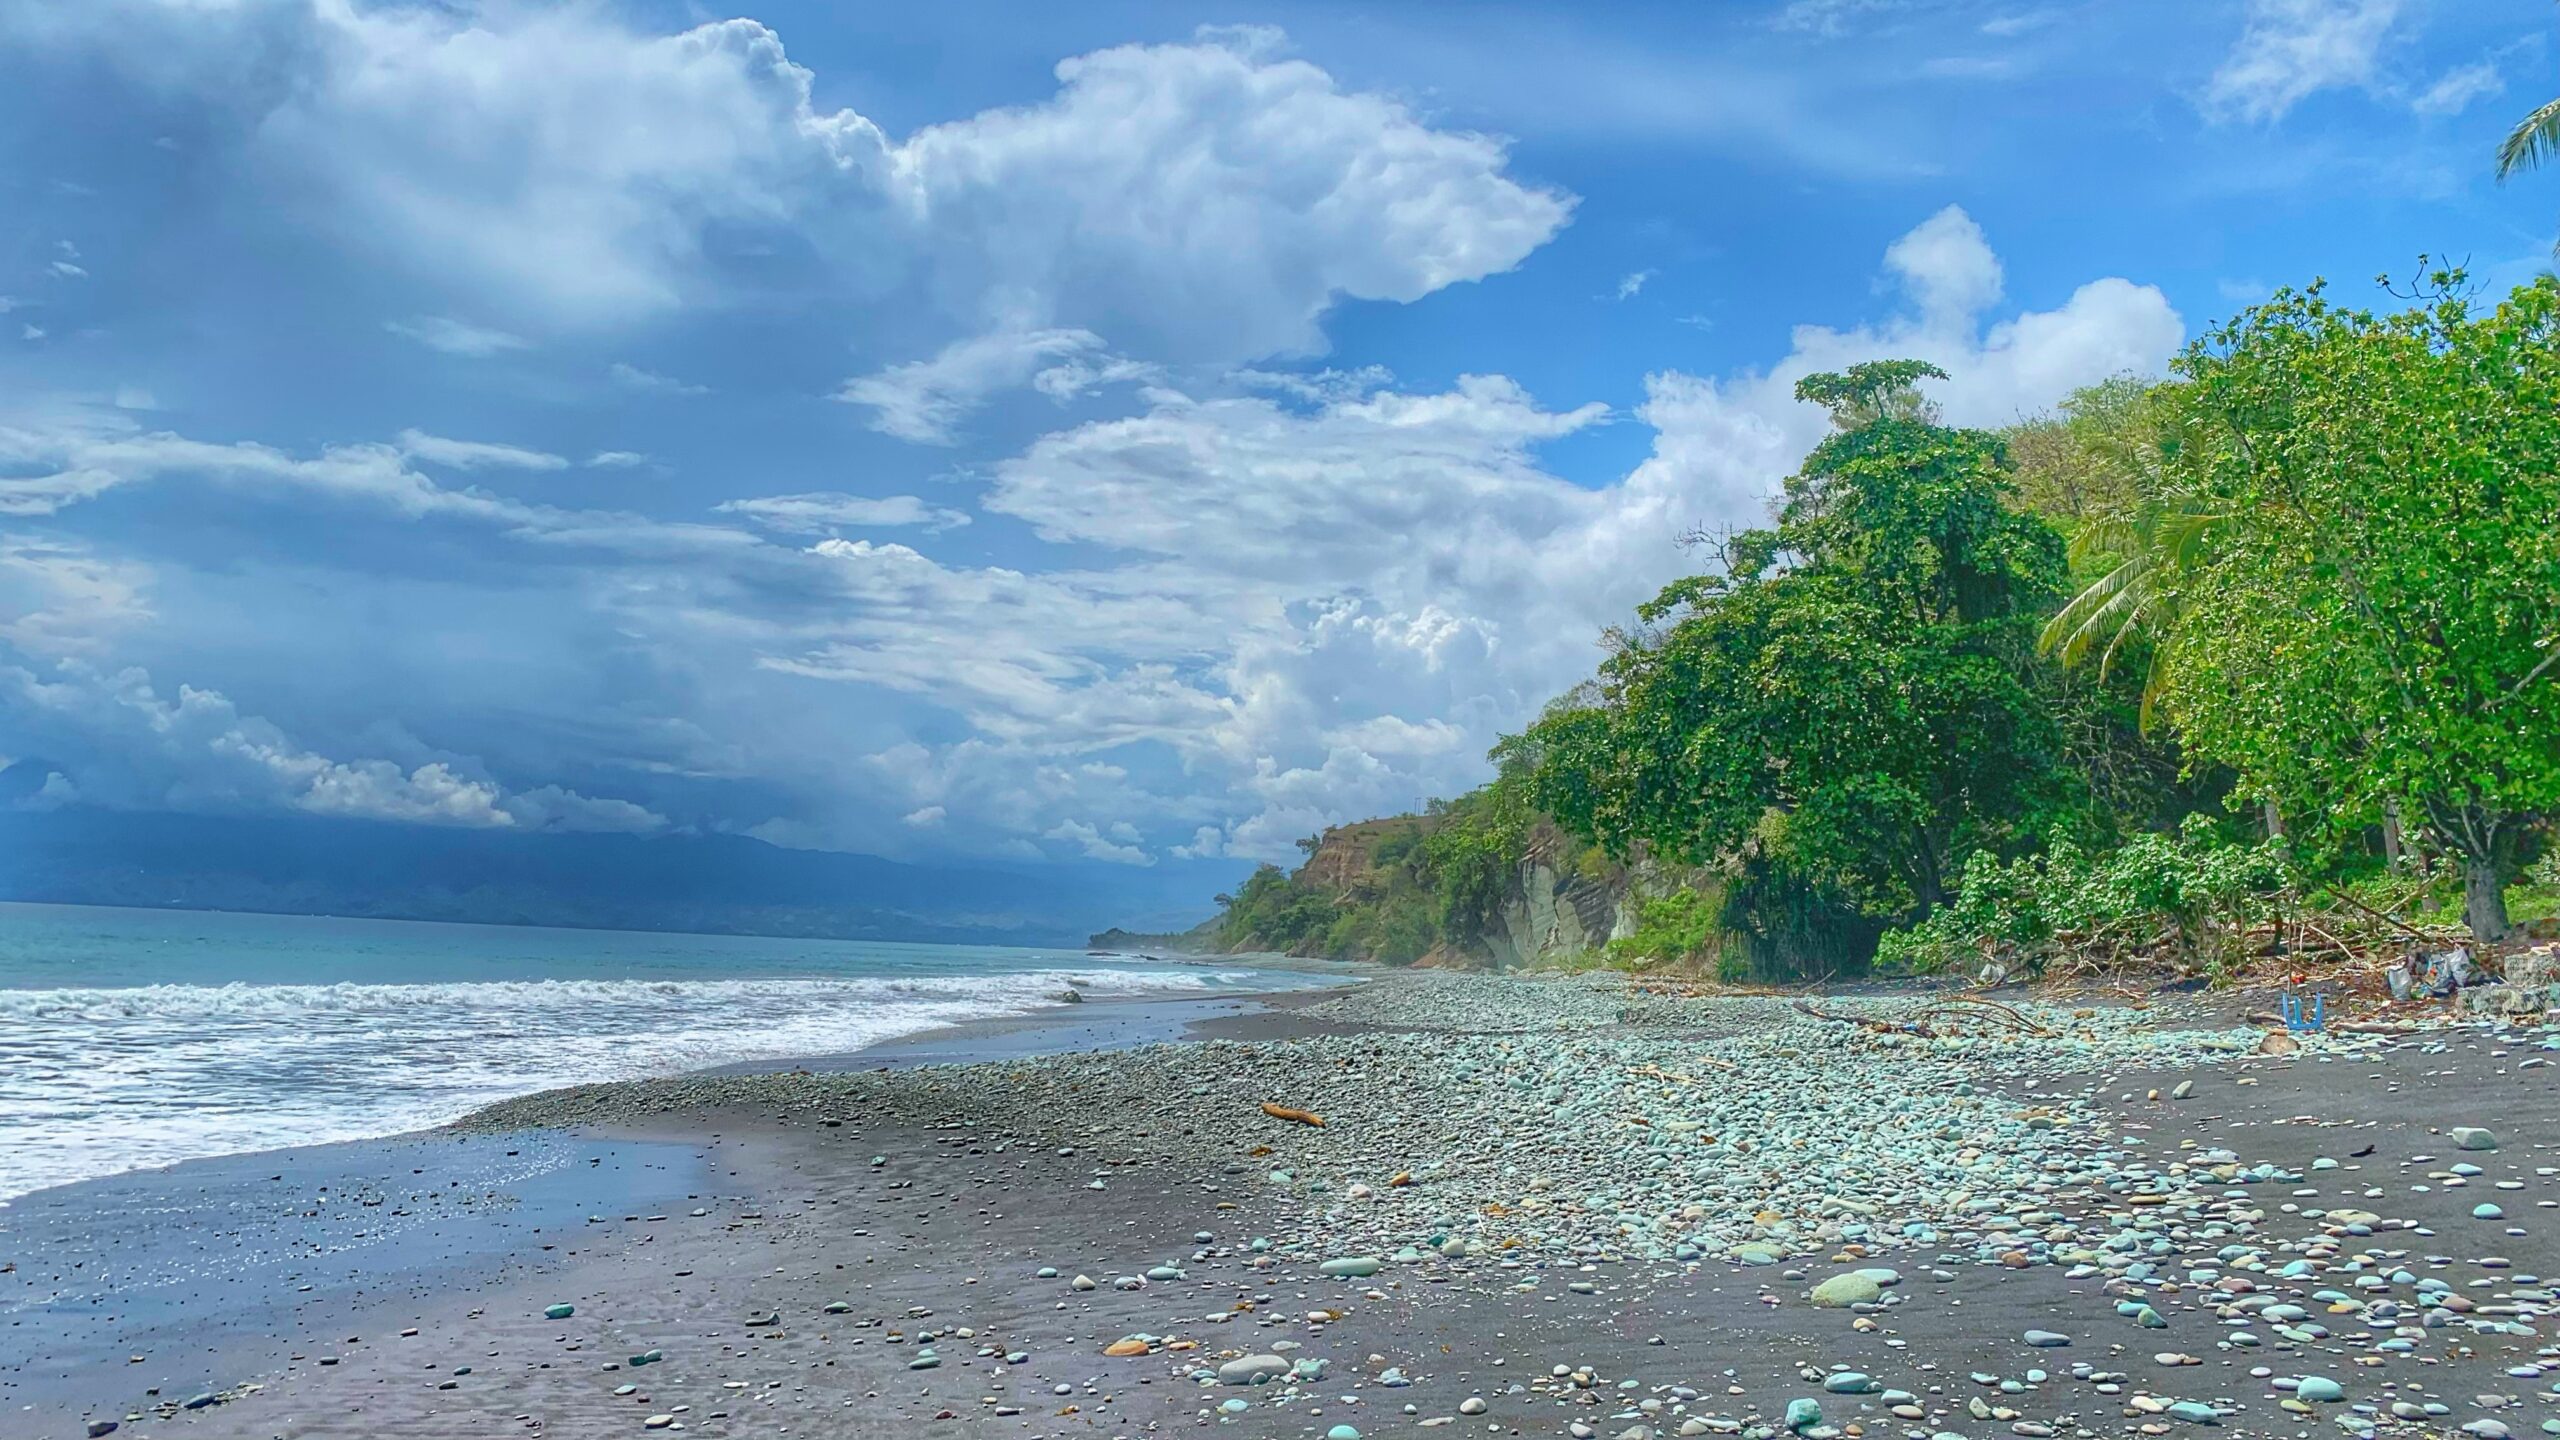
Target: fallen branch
[[1300, 1117], [2403, 926], [2008, 1012]]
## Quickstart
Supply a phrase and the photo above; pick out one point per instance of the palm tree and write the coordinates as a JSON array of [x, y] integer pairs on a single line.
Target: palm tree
[[2534, 141], [2144, 552]]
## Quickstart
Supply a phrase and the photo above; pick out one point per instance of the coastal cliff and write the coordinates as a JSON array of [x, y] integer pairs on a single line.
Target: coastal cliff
[[1458, 887]]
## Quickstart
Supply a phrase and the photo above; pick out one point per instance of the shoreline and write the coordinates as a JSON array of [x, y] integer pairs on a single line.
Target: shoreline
[[1133, 1019], [1514, 1176], [517, 1187]]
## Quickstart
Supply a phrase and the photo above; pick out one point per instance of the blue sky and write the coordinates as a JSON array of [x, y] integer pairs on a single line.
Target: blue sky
[[1117, 432]]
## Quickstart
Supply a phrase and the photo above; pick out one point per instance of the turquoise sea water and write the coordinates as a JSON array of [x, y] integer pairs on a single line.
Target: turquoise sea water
[[133, 1038]]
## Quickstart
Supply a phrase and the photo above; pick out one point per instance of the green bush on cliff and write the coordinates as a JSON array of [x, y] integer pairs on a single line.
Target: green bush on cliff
[[1271, 912], [1681, 926]]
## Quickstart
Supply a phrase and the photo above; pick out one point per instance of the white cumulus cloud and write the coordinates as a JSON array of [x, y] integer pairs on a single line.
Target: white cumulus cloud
[[2290, 50], [564, 168]]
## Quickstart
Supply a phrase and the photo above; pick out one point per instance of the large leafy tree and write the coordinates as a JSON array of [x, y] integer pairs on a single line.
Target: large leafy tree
[[2378, 626], [1853, 704]]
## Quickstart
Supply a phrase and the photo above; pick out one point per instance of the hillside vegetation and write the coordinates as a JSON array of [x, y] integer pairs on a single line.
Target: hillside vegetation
[[2120, 683]]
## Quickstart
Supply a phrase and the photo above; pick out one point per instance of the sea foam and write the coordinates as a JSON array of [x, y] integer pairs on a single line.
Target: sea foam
[[96, 1081]]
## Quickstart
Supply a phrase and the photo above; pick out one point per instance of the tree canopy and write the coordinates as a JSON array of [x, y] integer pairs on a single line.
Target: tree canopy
[[2380, 624], [1851, 704]]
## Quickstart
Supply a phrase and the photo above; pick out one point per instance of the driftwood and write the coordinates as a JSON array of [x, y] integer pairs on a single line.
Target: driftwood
[[1300, 1117], [1956, 1008]]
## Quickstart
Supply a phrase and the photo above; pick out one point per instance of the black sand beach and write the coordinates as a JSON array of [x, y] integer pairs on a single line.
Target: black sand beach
[[861, 1254]]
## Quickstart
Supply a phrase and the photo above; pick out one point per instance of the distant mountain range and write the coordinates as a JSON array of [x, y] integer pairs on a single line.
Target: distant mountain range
[[719, 884]]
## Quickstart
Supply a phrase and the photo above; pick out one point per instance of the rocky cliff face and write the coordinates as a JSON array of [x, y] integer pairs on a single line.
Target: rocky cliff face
[[1548, 915]]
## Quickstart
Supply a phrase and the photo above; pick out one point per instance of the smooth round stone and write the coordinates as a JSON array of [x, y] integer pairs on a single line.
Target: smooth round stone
[[1252, 1370], [2320, 1389], [1342, 1432], [2047, 1339], [1841, 1291], [1848, 1382], [559, 1312], [1353, 1267]]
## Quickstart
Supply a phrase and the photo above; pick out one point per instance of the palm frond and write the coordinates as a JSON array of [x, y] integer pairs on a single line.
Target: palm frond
[[2180, 534], [2534, 142], [2155, 684], [2084, 619], [2107, 537]]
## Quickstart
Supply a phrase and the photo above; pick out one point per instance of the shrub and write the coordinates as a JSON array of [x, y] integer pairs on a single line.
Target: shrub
[[2186, 897], [1682, 925]]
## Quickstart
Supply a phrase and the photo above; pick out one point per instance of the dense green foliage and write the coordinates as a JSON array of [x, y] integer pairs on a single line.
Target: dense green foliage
[[1682, 925], [2182, 897], [2377, 623], [1397, 889], [1269, 912], [1852, 707], [2115, 684]]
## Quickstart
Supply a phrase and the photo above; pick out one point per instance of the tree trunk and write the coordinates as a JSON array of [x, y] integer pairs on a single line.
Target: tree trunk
[[2274, 818], [2484, 900], [2395, 851]]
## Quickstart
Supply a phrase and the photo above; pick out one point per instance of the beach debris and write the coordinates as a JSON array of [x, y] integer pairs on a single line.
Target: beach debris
[[1292, 1114]]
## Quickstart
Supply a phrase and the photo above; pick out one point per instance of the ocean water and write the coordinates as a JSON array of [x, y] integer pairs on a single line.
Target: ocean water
[[137, 1038]]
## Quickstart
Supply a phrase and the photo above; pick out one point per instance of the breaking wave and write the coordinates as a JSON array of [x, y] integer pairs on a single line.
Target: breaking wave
[[97, 1081]]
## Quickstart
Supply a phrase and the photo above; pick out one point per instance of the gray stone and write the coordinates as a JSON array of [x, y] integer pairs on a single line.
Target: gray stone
[[1252, 1370], [1841, 1291]]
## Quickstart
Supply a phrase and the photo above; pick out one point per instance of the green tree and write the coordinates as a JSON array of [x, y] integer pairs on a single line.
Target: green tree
[[1851, 707], [2133, 596], [2098, 456], [2377, 626]]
